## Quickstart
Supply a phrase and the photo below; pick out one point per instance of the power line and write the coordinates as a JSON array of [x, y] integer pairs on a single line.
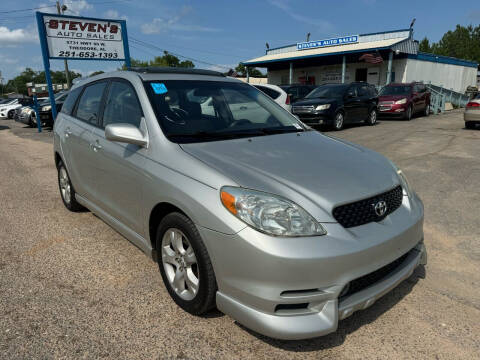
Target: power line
[[29, 9], [152, 46]]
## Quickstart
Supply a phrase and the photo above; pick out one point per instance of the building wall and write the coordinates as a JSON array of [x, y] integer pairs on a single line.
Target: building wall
[[333, 73], [446, 75]]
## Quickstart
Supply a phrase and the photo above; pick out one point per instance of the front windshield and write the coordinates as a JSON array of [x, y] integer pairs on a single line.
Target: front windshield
[[327, 91], [395, 90], [197, 111]]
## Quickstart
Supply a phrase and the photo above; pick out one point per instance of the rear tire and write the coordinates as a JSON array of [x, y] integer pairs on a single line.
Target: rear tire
[[469, 125], [185, 265], [67, 192], [427, 110]]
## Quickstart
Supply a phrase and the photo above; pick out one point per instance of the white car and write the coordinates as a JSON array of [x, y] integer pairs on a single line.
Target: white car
[[277, 94], [7, 110]]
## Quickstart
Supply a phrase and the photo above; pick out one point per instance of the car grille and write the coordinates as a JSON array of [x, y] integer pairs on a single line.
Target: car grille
[[365, 281], [386, 103], [363, 211], [302, 109]]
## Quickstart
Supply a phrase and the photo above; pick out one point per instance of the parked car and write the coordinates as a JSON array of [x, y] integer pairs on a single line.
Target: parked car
[[283, 228], [297, 91], [277, 94], [338, 104], [45, 108], [472, 113], [26, 115], [404, 100], [7, 110]]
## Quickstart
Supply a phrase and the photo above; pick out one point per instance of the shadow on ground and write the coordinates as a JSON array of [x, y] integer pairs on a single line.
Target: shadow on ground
[[349, 325], [4, 127]]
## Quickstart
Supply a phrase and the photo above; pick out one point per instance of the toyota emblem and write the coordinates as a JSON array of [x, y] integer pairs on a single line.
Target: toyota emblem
[[380, 208]]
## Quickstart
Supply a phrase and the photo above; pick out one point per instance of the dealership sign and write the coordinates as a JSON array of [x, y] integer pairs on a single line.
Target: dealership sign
[[352, 39], [80, 38], [74, 38]]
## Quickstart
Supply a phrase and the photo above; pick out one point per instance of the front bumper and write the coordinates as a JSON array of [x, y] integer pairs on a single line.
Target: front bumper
[[289, 288], [392, 109]]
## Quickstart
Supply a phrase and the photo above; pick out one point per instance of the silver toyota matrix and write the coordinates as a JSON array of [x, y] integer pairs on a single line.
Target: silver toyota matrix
[[243, 206]]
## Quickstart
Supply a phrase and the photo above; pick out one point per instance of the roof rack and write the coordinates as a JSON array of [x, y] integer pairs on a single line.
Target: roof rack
[[175, 70]]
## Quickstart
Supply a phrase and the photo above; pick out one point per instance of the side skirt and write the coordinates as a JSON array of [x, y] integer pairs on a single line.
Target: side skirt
[[124, 230]]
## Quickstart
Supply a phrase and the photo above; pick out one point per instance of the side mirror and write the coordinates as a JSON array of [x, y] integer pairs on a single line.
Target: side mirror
[[125, 133]]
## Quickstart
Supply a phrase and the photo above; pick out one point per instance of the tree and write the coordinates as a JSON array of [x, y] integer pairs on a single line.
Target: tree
[[462, 43], [19, 83], [253, 72], [166, 60], [424, 45]]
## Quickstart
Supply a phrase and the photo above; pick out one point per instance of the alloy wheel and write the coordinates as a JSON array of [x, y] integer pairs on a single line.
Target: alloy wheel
[[339, 121], [180, 264], [373, 117], [65, 188]]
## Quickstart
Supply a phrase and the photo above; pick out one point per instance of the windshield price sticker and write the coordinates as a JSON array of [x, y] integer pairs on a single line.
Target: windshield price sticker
[[74, 38]]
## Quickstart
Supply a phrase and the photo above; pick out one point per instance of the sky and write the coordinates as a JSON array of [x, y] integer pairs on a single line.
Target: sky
[[220, 34]]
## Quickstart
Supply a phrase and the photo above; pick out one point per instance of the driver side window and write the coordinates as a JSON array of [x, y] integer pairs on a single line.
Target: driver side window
[[352, 91]]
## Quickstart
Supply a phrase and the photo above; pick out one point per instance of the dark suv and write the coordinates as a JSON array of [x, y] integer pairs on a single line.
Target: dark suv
[[337, 104], [297, 91], [404, 100]]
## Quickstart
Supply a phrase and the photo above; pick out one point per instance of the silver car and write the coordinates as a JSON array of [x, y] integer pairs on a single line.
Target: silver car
[[243, 207]]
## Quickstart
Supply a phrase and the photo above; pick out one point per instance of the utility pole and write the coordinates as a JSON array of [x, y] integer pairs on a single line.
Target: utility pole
[[60, 10]]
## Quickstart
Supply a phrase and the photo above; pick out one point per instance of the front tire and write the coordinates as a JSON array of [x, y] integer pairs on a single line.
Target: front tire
[[408, 113], [10, 114], [67, 192], [185, 265], [338, 121], [372, 117]]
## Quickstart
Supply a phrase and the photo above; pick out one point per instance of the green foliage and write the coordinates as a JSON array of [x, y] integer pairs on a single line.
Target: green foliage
[[19, 83], [462, 43], [167, 60], [97, 73], [253, 72], [424, 45]]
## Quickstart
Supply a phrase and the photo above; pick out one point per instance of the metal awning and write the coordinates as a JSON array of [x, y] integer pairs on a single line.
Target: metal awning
[[327, 51]]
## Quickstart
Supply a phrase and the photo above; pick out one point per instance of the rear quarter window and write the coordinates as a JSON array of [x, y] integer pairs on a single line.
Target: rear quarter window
[[270, 92], [69, 103]]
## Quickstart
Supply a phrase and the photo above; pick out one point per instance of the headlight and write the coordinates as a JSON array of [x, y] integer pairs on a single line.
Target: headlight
[[269, 214], [407, 191], [401, 101], [322, 107], [46, 108]]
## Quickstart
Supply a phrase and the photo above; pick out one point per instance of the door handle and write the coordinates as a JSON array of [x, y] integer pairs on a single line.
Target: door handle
[[243, 108], [68, 133], [96, 146]]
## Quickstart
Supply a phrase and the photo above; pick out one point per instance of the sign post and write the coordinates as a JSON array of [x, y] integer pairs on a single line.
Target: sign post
[[79, 38]]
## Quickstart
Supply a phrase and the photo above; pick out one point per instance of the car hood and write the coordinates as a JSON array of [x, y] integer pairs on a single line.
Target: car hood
[[392, 97], [314, 101], [315, 171]]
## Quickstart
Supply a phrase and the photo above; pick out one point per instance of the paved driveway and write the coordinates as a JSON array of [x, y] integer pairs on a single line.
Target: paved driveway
[[71, 287]]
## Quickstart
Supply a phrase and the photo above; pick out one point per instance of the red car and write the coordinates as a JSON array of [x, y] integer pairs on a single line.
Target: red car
[[404, 100]]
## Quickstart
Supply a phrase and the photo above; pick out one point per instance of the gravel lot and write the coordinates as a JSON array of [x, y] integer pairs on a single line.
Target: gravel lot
[[71, 287]]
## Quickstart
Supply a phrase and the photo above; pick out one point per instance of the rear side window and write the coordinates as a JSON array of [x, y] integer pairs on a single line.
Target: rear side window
[[270, 92], [69, 104], [88, 108], [122, 105]]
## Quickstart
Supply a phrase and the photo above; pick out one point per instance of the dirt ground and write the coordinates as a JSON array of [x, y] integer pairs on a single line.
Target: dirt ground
[[71, 287]]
